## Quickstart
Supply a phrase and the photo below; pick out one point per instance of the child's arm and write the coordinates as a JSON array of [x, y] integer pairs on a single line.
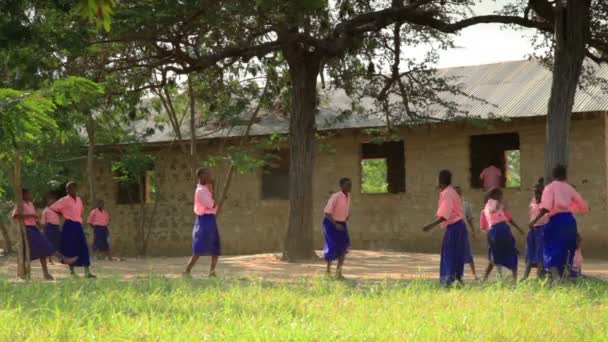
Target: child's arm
[[516, 227], [331, 219], [433, 225], [542, 213]]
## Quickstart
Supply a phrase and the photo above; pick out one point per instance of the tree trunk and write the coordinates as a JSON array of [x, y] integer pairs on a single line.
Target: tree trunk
[[303, 71], [8, 244], [571, 35], [90, 127], [23, 252], [193, 156]]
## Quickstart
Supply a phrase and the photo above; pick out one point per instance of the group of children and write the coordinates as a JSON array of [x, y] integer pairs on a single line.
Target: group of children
[[552, 244], [67, 243]]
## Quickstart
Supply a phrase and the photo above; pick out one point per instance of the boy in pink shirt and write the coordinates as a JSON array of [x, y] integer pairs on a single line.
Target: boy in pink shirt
[[455, 239], [491, 177], [495, 220], [560, 201], [40, 247], [205, 235], [73, 240], [335, 230], [99, 219]]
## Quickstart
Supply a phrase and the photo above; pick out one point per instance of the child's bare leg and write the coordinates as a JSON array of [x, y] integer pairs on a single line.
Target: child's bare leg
[[214, 259], [540, 271], [472, 265], [340, 264], [499, 271], [328, 269], [88, 274], [515, 274], [554, 272], [191, 264], [488, 271], [527, 271], [108, 255], [45, 269]]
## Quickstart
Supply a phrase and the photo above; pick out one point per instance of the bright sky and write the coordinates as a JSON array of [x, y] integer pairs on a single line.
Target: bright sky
[[488, 43]]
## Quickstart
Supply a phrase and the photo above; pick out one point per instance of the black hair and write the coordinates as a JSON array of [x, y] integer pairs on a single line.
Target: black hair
[[344, 180], [445, 177], [52, 194], [201, 171], [560, 172], [24, 191], [494, 193]]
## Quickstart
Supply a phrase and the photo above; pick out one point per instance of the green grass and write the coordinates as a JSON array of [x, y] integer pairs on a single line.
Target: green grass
[[230, 309]]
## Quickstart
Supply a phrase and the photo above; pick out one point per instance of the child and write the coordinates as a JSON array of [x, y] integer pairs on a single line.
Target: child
[[99, 219], [51, 222], [491, 177], [335, 230], [559, 200], [534, 240], [40, 247], [205, 236], [577, 261], [495, 219], [449, 216], [73, 240], [468, 215]]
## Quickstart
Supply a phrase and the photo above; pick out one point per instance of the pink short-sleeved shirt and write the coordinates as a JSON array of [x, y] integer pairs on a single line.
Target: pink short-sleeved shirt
[[50, 217], [449, 207], [560, 197], [535, 209], [493, 213], [338, 206], [69, 207], [99, 218], [491, 177], [203, 201], [28, 209]]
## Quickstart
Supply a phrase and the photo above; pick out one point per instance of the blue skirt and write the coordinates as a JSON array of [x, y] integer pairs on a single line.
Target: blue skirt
[[53, 234], [559, 241], [534, 246], [336, 241], [501, 246], [74, 243], [454, 253], [101, 237], [40, 247], [205, 236]]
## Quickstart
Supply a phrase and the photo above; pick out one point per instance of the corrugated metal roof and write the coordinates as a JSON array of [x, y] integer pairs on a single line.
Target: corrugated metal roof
[[508, 90]]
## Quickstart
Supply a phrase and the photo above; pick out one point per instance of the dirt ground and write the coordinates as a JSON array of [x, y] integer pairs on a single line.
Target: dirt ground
[[360, 265]]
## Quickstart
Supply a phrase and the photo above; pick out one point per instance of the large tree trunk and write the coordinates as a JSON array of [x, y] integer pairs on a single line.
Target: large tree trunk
[[90, 127], [23, 252], [571, 35], [193, 156], [303, 71]]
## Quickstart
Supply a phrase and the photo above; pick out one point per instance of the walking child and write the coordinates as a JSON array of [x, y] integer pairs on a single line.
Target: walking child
[[40, 247], [73, 240], [99, 219], [205, 235], [450, 217], [335, 229], [534, 240], [491, 177], [51, 222], [560, 201], [468, 215], [495, 219]]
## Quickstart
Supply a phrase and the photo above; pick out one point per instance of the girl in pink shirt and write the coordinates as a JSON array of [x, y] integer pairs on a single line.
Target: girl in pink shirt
[[40, 247], [205, 235], [495, 220], [559, 200], [99, 219], [455, 239], [335, 230], [51, 221], [534, 240]]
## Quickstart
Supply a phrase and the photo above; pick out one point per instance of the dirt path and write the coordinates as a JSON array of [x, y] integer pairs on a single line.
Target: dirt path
[[363, 265]]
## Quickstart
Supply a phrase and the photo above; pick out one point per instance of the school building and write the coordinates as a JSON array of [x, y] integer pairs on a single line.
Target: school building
[[254, 219]]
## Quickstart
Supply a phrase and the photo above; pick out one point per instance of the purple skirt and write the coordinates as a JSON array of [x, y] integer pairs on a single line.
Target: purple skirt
[[534, 246], [559, 241], [454, 252], [53, 234], [101, 238], [40, 247], [336, 241], [205, 236], [502, 250], [74, 243]]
